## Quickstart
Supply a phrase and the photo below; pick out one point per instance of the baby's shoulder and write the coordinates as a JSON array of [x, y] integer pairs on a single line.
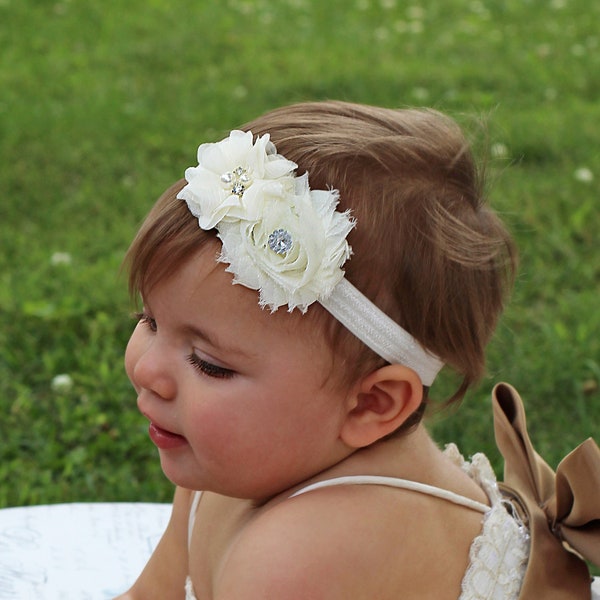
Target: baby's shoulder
[[330, 542]]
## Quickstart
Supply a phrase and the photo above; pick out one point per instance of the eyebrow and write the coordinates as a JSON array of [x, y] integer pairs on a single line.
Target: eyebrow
[[211, 339], [214, 341]]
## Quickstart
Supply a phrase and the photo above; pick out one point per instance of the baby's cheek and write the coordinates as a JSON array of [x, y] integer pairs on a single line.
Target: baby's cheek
[[220, 433]]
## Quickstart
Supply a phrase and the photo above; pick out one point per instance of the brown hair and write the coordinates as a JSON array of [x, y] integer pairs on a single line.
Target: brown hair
[[426, 248]]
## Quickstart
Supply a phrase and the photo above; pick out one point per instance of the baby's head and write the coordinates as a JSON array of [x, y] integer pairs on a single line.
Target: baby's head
[[425, 247]]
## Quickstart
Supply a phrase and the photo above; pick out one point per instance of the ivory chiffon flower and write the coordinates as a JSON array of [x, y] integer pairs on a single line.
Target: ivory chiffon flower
[[233, 176]]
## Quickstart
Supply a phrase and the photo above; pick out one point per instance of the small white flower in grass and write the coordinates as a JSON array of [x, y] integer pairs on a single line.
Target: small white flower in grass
[[245, 8], [401, 26], [128, 181], [544, 50], [479, 9], [416, 27], [239, 92], [267, 18], [420, 93], [381, 34], [415, 12], [499, 150], [62, 383], [60, 258], [451, 94], [584, 175]]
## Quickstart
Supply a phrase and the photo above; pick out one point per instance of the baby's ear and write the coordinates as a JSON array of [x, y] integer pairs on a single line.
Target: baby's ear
[[380, 403]]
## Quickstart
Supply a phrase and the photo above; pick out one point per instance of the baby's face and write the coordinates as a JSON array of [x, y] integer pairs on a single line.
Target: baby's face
[[237, 397]]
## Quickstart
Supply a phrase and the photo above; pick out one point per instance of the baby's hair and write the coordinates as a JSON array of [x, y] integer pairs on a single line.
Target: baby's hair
[[426, 247]]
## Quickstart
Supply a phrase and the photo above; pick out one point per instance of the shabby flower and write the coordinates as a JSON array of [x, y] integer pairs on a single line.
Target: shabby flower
[[232, 177], [294, 252]]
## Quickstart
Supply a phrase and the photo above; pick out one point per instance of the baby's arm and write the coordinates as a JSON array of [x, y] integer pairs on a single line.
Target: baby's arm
[[164, 575]]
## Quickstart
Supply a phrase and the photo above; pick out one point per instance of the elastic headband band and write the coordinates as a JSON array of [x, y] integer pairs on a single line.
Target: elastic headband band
[[288, 242], [379, 332]]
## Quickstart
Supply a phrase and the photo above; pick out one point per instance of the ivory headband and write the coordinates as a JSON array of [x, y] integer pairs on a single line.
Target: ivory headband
[[288, 242]]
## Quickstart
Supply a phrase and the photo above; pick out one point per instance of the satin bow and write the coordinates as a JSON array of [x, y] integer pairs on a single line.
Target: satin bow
[[561, 510]]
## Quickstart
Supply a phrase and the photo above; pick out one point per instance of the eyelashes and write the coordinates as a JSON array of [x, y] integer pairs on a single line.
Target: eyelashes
[[201, 365], [144, 318], [209, 369]]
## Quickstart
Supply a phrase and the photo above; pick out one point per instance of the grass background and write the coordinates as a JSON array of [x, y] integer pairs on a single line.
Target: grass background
[[102, 105]]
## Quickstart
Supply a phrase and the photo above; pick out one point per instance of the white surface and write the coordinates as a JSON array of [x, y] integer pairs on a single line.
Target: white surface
[[596, 589], [76, 551], [82, 551]]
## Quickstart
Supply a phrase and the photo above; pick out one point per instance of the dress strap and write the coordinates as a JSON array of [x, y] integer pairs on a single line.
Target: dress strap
[[405, 484], [192, 517]]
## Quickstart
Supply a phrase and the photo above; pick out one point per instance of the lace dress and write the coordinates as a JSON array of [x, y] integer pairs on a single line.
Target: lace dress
[[498, 555]]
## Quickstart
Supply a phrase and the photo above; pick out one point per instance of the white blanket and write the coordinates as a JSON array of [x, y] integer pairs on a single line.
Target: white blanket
[[82, 551], [76, 551]]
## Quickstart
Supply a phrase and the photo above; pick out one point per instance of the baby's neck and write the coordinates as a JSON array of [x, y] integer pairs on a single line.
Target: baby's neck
[[406, 456], [412, 456]]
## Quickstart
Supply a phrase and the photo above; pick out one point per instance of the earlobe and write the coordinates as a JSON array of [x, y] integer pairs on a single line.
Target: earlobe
[[382, 401]]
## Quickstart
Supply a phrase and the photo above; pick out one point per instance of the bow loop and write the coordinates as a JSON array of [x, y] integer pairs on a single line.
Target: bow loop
[[562, 509], [575, 507]]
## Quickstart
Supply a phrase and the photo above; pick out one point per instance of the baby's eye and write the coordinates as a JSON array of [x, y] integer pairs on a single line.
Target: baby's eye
[[146, 319], [209, 369]]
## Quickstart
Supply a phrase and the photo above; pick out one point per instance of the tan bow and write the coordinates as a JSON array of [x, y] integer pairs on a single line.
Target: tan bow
[[562, 509]]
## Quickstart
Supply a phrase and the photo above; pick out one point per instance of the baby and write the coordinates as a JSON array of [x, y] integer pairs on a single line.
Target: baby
[[288, 408]]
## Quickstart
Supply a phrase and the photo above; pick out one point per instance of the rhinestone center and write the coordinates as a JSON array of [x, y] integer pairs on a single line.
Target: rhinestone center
[[280, 241], [237, 181]]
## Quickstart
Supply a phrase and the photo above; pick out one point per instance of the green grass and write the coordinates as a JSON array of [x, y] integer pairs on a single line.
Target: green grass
[[101, 107]]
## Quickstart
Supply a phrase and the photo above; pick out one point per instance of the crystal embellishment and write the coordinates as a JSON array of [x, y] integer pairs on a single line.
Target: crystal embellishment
[[280, 241], [238, 181]]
